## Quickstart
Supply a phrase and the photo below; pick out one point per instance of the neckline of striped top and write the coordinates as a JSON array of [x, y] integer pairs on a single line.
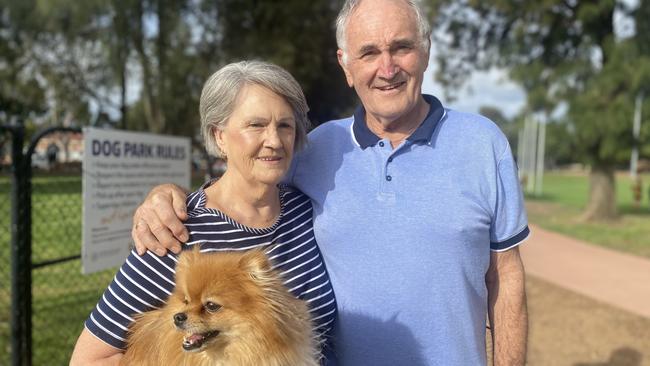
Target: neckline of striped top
[[200, 208]]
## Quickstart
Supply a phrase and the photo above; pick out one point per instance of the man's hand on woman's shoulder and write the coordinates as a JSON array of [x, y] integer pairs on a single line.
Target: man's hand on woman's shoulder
[[158, 221]]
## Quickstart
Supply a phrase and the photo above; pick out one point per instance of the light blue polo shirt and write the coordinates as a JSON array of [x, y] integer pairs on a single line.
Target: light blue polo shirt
[[406, 233]]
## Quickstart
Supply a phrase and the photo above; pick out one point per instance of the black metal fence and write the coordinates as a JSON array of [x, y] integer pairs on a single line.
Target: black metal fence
[[5, 247], [44, 298]]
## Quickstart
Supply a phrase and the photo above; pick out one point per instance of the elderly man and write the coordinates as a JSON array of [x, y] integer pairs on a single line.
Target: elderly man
[[417, 208]]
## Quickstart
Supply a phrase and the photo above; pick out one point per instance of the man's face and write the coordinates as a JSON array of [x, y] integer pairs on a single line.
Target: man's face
[[385, 59]]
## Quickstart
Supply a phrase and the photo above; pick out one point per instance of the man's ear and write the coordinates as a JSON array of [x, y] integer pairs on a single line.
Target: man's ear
[[348, 76], [427, 54]]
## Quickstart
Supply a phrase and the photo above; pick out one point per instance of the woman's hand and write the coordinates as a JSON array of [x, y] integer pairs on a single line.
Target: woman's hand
[[157, 223]]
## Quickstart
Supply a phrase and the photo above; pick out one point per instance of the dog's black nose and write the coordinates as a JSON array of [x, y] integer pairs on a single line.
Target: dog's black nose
[[180, 318]]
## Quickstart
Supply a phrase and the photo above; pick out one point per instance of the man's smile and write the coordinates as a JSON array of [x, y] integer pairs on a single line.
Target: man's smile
[[390, 86]]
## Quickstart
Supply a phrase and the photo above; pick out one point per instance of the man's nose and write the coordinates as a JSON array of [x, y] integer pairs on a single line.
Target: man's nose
[[387, 66]]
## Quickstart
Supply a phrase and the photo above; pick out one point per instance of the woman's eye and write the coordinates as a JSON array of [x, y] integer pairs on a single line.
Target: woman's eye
[[212, 307]]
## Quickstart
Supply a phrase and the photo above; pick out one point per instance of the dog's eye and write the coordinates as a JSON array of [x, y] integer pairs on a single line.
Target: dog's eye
[[212, 307]]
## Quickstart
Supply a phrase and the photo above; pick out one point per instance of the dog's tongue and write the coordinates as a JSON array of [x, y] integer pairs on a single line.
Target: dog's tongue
[[193, 341], [193, 338]]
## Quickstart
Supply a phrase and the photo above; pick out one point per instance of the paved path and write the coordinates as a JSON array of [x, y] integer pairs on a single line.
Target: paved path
[[621, 280]]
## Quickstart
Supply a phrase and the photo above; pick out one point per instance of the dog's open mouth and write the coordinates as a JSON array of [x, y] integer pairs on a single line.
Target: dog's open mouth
[[194, 341]]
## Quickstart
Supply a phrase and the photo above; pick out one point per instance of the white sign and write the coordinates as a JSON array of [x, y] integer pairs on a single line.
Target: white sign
[[119, 169]]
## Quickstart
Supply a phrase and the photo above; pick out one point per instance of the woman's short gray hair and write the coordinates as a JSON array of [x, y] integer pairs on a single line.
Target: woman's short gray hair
[[221, 90], [424, 28]]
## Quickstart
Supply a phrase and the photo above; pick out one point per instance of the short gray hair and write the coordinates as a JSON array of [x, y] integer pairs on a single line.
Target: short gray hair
[[221, 90], [424, 28]]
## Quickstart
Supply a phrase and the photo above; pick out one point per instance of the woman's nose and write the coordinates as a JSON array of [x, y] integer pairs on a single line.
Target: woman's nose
[[272, 137]]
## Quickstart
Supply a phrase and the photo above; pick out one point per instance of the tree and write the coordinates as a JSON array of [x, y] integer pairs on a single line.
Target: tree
[[296, 34], [20, 94], [76, 59], [562, 53]]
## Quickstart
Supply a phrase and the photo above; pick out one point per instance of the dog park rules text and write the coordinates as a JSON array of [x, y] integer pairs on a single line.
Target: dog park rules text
[[119, 169]]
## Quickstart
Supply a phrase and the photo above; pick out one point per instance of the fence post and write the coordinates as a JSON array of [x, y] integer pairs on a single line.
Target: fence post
[[21, 271]]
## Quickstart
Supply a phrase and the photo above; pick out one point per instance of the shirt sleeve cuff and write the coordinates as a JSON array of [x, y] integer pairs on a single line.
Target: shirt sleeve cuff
[[512, 242], [104, 335]]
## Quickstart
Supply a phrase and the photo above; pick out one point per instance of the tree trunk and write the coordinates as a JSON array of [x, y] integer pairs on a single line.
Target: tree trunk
[[602, 194], [123, 122], [152, 112]]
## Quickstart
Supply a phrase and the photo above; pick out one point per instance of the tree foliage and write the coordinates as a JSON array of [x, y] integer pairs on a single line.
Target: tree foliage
[[296, 34], [565, 54], [20, 94], [68, 60]]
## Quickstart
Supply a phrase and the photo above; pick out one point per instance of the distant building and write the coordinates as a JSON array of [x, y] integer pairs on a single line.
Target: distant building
[[58, 147]]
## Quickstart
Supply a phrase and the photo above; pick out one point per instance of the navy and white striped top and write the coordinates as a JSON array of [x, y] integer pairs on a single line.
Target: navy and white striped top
[[144, 283]]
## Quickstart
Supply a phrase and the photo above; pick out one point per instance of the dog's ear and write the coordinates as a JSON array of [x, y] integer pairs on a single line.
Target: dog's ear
[[256, 263], [187, 257]]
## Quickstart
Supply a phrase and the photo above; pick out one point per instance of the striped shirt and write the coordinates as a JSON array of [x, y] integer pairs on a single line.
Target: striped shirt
[[145, 282]]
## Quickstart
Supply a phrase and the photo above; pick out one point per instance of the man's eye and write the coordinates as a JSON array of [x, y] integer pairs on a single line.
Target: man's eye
[[212, 307], [402, 48], [365, 54]]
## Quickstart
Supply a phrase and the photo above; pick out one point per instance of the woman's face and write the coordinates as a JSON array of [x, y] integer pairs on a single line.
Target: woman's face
[[259, 137]]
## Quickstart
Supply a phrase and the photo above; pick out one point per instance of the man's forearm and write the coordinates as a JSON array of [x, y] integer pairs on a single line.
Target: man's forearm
[[507, 309]]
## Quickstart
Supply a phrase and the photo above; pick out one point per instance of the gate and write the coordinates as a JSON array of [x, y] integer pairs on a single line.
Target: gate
[[50, 298], [44, 298]]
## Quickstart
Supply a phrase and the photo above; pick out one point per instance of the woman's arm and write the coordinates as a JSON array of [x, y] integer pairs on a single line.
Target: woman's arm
[[90, 351], [141, 284]]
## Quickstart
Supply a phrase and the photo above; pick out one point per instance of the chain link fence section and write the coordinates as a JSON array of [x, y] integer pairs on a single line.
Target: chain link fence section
[[5, 247], [62, 297]]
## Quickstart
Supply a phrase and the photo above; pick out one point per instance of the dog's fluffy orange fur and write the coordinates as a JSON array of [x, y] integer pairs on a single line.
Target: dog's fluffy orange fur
[[228, 309]]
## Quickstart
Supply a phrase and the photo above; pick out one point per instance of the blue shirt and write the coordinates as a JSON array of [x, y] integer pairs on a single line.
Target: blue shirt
[[406, 233]]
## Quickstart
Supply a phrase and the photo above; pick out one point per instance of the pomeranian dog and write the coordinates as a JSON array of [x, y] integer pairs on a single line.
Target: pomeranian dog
[[227, 309]]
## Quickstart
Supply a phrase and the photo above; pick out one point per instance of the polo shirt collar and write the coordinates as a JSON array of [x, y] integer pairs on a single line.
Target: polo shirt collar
[[424, 132]]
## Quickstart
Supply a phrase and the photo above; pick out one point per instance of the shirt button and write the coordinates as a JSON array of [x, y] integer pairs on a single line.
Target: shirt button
[[390, 160], [389, 178], [381, 144]]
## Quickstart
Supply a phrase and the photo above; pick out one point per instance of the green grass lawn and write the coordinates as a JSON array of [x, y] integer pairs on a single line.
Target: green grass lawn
[[62, 296], [564, 198]]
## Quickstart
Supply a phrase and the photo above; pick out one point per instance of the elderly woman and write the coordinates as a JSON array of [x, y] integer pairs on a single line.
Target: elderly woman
[[254, 115]]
